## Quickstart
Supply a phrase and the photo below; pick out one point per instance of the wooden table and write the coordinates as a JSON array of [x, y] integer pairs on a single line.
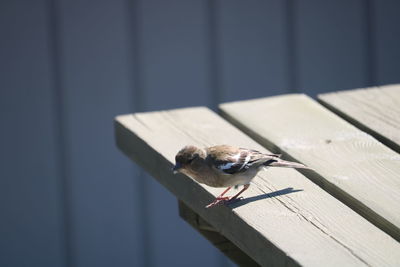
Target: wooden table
[[346, 212]]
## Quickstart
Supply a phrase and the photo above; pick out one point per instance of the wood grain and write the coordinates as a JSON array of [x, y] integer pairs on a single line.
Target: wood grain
[[212, 235], [375, 110], [348, 163], [285, 219]]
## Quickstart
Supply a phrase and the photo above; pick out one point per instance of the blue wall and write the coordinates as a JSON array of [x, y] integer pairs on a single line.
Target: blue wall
[[68, 197]]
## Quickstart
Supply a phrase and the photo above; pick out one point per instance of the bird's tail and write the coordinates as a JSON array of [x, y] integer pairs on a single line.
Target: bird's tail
[[288, 164]]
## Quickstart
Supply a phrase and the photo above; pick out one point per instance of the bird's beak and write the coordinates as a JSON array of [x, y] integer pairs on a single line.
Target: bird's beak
[[176, 168]]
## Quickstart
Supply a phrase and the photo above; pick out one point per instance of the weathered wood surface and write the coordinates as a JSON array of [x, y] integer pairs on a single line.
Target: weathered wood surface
[[375, 110], [285, 219], [212, 235], [348, 163]]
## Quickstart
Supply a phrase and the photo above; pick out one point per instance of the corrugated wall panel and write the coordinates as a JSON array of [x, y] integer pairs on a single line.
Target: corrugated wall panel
[[96, 86], [386, 40], [251, 49], [173, 58], [330, 45], [31, 225]]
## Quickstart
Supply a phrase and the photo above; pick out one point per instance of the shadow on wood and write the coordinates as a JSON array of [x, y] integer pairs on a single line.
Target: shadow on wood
[[281, 192]]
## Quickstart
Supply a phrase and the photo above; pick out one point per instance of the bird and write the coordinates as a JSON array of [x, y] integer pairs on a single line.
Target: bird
[[226, 166]]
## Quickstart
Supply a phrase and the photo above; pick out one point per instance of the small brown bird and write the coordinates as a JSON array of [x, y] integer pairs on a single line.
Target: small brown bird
[[226, 166]]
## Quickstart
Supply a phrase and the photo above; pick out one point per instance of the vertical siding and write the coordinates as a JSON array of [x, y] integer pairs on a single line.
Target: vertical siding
[[96, 86], [67, 196], [251, 49], [386, 40], [31, 227], [331, 45], [174, 68], [174, 61]]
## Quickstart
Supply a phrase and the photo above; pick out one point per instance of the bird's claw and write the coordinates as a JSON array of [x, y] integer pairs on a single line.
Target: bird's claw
[[223, 200], [217, 201]]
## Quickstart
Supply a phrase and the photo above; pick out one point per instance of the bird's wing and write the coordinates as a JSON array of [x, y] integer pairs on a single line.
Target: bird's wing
[[230, 160]]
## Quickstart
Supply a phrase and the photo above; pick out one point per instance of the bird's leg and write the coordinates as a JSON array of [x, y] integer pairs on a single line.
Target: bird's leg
[[235, 197], [223, 193], [219, 198], [228, 200]]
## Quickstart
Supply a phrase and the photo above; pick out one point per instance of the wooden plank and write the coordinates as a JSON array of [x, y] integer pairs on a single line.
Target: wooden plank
[[212, 235], [31, 205], [348, 163], [374, 110], [287, 226]]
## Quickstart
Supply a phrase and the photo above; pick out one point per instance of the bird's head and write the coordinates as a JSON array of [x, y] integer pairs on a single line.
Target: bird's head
[[185, 158]]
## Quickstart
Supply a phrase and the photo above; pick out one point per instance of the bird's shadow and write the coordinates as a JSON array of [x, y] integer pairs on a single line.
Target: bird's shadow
[[281, 192]]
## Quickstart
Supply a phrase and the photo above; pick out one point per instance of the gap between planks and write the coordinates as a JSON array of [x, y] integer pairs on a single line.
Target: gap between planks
[[374, 110]]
